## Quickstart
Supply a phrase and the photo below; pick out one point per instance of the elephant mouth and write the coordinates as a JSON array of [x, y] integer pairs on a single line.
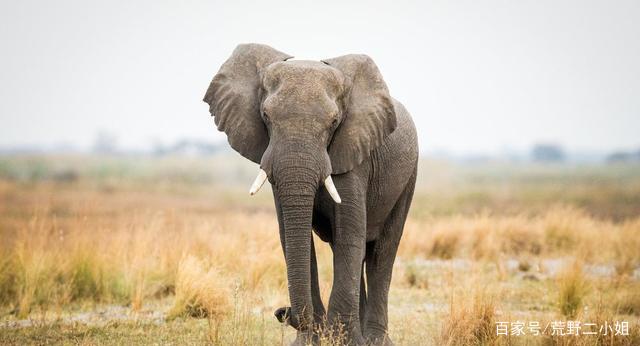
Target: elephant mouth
[[327, 182]]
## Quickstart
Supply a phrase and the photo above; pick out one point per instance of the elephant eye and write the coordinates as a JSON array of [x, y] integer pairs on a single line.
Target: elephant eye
[[266, 116], [334, 122]]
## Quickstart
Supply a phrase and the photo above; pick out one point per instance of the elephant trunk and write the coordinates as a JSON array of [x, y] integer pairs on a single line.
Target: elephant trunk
[[297, 180]]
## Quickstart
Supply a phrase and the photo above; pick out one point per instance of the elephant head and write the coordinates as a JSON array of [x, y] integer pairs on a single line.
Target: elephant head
[[302, 121]]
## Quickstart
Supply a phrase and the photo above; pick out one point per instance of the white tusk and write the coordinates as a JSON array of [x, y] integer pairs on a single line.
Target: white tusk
[[328, 183], [257, 184]]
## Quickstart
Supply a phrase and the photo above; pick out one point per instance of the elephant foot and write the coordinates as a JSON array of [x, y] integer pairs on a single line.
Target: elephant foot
[[379, 340], [344, 332], [314, 337], [306, 339], [283, 315]]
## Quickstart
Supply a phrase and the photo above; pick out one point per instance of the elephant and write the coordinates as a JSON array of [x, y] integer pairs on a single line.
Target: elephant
[[341, 156]]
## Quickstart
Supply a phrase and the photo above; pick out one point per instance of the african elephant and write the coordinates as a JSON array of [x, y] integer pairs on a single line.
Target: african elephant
[[328, 123]]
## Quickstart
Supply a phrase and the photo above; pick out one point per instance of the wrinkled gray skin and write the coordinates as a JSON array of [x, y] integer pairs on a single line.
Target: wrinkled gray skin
[[302, 121]]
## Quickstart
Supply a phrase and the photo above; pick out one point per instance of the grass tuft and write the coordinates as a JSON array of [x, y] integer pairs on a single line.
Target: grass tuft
[[628, 302], [201, 291], [626, 244], [444, 244], [572, 289], [470, 322]]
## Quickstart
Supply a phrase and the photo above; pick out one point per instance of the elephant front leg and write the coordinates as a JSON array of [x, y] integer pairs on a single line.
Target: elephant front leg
[[348, 247]]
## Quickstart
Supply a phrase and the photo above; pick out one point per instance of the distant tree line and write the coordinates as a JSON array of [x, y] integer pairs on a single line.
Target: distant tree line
[[624, 156], [547, 153], [189, 147], [107, 143]]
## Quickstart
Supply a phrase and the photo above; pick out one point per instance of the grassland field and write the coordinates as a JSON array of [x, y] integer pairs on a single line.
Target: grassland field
[[144, 250]]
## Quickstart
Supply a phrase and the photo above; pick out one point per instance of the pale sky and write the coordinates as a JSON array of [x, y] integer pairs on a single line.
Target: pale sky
[[477, 76]]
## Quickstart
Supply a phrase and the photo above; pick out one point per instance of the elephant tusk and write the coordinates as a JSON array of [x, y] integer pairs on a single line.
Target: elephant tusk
[[257, 184], [328, 183]]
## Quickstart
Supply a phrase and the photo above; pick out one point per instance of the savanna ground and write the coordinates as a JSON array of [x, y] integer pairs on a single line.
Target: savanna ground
[[138, 250]]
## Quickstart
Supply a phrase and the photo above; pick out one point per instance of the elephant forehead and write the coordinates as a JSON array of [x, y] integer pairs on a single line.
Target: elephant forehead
[[292, 100], [302, 76]]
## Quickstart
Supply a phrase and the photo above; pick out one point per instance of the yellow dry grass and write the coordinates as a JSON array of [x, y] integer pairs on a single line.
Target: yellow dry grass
[[560, 231], [192, 250], [471, 321], [573, 287], [201, 291]]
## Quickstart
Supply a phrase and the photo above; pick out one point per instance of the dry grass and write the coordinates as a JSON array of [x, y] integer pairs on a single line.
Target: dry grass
[[201, 291], [573, 286], [626, 243], [50, 263], [158, 240], [471, 321], [52, 260], [561, 231], [601, 316], [628, 301]]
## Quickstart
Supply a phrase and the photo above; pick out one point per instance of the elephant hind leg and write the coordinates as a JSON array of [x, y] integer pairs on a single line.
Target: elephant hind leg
[[380, 257]]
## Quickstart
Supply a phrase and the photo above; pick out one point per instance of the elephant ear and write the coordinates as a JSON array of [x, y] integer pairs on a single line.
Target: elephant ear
[[369, 112], [234, 98]]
